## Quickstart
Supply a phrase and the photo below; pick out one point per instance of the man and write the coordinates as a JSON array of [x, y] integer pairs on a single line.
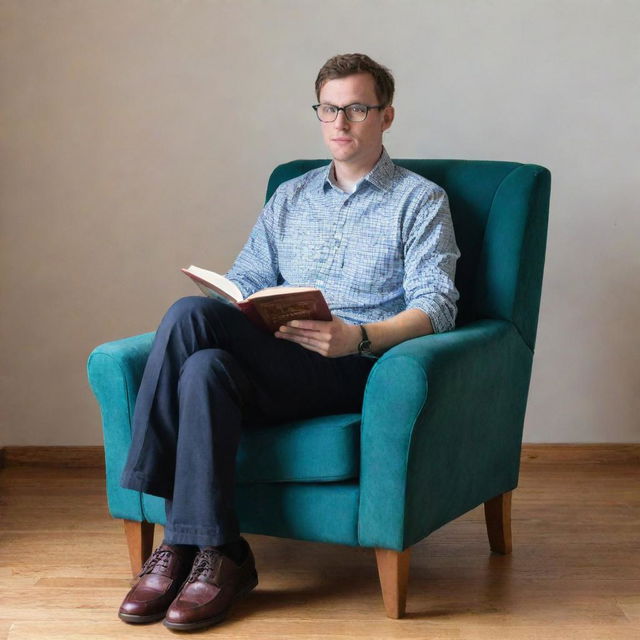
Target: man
[[378, 241]]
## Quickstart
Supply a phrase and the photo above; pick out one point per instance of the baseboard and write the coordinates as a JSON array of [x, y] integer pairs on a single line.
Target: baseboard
[[582, 453], [36, 456], [552, 453]]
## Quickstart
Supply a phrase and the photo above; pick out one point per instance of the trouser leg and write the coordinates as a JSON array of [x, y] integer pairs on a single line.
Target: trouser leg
[[261, 376], [191, 324], [212, 389]]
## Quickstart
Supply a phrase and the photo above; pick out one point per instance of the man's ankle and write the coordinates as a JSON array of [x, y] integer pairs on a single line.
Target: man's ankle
[[235, 550]]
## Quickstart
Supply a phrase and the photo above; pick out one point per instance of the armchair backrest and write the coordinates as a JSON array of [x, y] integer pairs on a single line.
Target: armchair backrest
[[500, 212]]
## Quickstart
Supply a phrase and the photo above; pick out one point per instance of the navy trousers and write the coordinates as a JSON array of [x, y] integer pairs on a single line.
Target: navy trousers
[[210, 374]]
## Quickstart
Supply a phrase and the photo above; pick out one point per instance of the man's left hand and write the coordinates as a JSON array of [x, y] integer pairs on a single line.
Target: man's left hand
[[331, 338]]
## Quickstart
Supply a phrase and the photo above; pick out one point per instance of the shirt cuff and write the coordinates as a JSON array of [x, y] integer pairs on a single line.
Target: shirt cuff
[[441, 320]]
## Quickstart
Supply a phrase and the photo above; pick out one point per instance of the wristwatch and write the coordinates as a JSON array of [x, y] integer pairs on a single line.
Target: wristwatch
[[364, 348]]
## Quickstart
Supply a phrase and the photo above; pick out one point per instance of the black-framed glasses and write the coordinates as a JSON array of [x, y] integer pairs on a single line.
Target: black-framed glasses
[[355, 112]]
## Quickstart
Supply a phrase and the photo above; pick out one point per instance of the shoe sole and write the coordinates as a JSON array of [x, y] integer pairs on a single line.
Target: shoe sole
[[200, 624], [133, 619]]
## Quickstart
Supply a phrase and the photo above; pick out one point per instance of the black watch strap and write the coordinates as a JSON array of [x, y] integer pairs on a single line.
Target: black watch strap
[[365, 344]]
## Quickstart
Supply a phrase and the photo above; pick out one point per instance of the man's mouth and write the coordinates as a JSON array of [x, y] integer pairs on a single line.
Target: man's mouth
[[343, 140]]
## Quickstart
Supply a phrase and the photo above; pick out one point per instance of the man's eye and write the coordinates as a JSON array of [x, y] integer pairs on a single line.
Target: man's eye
[[328, 109], [357, 108]]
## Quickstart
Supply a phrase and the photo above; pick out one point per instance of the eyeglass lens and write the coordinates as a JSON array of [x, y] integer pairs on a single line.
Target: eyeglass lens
[[353, 112]]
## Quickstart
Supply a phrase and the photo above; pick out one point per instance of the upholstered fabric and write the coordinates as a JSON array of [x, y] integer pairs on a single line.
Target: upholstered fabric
[[441, 427], [441, 430], [324, 512], [115, 370], [323, 449]]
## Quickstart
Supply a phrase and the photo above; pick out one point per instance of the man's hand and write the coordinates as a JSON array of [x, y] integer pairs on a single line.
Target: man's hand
[[331, 338]]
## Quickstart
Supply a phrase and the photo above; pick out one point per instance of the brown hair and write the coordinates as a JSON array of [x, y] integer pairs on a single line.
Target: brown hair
[[348, 64]]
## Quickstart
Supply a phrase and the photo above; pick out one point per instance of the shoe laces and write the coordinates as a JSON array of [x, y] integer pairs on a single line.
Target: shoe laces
[[205, 562], [159, 558]]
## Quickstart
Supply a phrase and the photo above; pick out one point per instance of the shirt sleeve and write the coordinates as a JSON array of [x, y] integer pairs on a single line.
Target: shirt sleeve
[[256, 266], [430, 254]]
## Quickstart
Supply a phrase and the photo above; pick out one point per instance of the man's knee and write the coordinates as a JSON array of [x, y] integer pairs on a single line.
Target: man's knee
[[209, 367], [208, 364]]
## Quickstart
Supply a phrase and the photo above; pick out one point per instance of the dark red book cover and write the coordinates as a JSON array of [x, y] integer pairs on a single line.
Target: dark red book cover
[[268, 309], [272, 311]]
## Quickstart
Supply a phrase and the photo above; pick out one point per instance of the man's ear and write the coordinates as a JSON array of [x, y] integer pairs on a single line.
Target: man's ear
[[387, 117]]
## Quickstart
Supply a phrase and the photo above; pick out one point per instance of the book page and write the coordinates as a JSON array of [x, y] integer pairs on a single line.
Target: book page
[[211, 293], [271, 291], [216, 280]]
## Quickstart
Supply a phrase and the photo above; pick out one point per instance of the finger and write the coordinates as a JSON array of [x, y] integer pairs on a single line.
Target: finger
[[313, 325], [307, 333]]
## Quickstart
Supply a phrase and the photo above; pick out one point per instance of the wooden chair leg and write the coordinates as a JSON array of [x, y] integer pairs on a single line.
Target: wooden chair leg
[[497, 513], [140, 542], [393, 570]]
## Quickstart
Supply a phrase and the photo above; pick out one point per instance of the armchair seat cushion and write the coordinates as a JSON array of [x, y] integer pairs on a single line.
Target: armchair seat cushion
[[322, 449]]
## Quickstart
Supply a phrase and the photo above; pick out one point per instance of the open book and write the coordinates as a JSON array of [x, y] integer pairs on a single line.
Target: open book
[[268, 309]]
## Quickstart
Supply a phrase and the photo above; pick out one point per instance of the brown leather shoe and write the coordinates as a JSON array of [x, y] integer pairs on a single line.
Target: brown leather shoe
[[157, 584], [215, 582]]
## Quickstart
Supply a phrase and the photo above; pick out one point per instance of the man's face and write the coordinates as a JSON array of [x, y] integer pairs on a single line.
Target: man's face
[[355, 143]]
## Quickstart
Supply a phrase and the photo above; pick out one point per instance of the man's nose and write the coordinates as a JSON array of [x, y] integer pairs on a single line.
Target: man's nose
[[341, 121]]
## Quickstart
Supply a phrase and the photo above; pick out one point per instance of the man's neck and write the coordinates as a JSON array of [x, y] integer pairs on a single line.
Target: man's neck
[[346, 185], [347, 175]]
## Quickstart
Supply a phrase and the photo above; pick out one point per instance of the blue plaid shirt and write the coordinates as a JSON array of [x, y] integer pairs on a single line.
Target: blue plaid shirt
[[386, 247]]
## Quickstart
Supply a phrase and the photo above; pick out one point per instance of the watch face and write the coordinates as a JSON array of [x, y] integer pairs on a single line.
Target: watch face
[[365, 346]]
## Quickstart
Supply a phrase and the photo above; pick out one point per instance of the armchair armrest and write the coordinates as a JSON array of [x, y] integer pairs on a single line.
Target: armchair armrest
[[441, 428], [114, 370]]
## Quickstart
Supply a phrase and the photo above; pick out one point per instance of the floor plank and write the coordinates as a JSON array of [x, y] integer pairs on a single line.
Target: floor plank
[[574, 571]]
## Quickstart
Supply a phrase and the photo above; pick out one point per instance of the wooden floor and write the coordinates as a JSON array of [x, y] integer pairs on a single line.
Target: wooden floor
[[574, 571]]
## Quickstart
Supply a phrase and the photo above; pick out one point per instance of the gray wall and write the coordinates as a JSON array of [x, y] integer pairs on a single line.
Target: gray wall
[[137, 137]]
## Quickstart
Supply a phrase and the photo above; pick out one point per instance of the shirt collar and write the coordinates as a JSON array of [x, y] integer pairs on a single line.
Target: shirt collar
[[380, 176]]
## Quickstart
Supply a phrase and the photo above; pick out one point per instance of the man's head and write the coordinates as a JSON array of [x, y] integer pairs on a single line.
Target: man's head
[[349, 64], [354, 136]]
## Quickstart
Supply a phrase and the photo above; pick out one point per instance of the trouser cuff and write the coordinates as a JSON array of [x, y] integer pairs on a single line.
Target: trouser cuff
[[139, 482], [180, 534]]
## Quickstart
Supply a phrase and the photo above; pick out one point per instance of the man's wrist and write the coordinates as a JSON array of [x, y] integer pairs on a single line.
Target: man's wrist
[[364, 344], [357, 337]]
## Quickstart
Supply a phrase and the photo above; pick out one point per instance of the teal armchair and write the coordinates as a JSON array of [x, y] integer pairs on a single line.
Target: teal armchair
[[441, 425]]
